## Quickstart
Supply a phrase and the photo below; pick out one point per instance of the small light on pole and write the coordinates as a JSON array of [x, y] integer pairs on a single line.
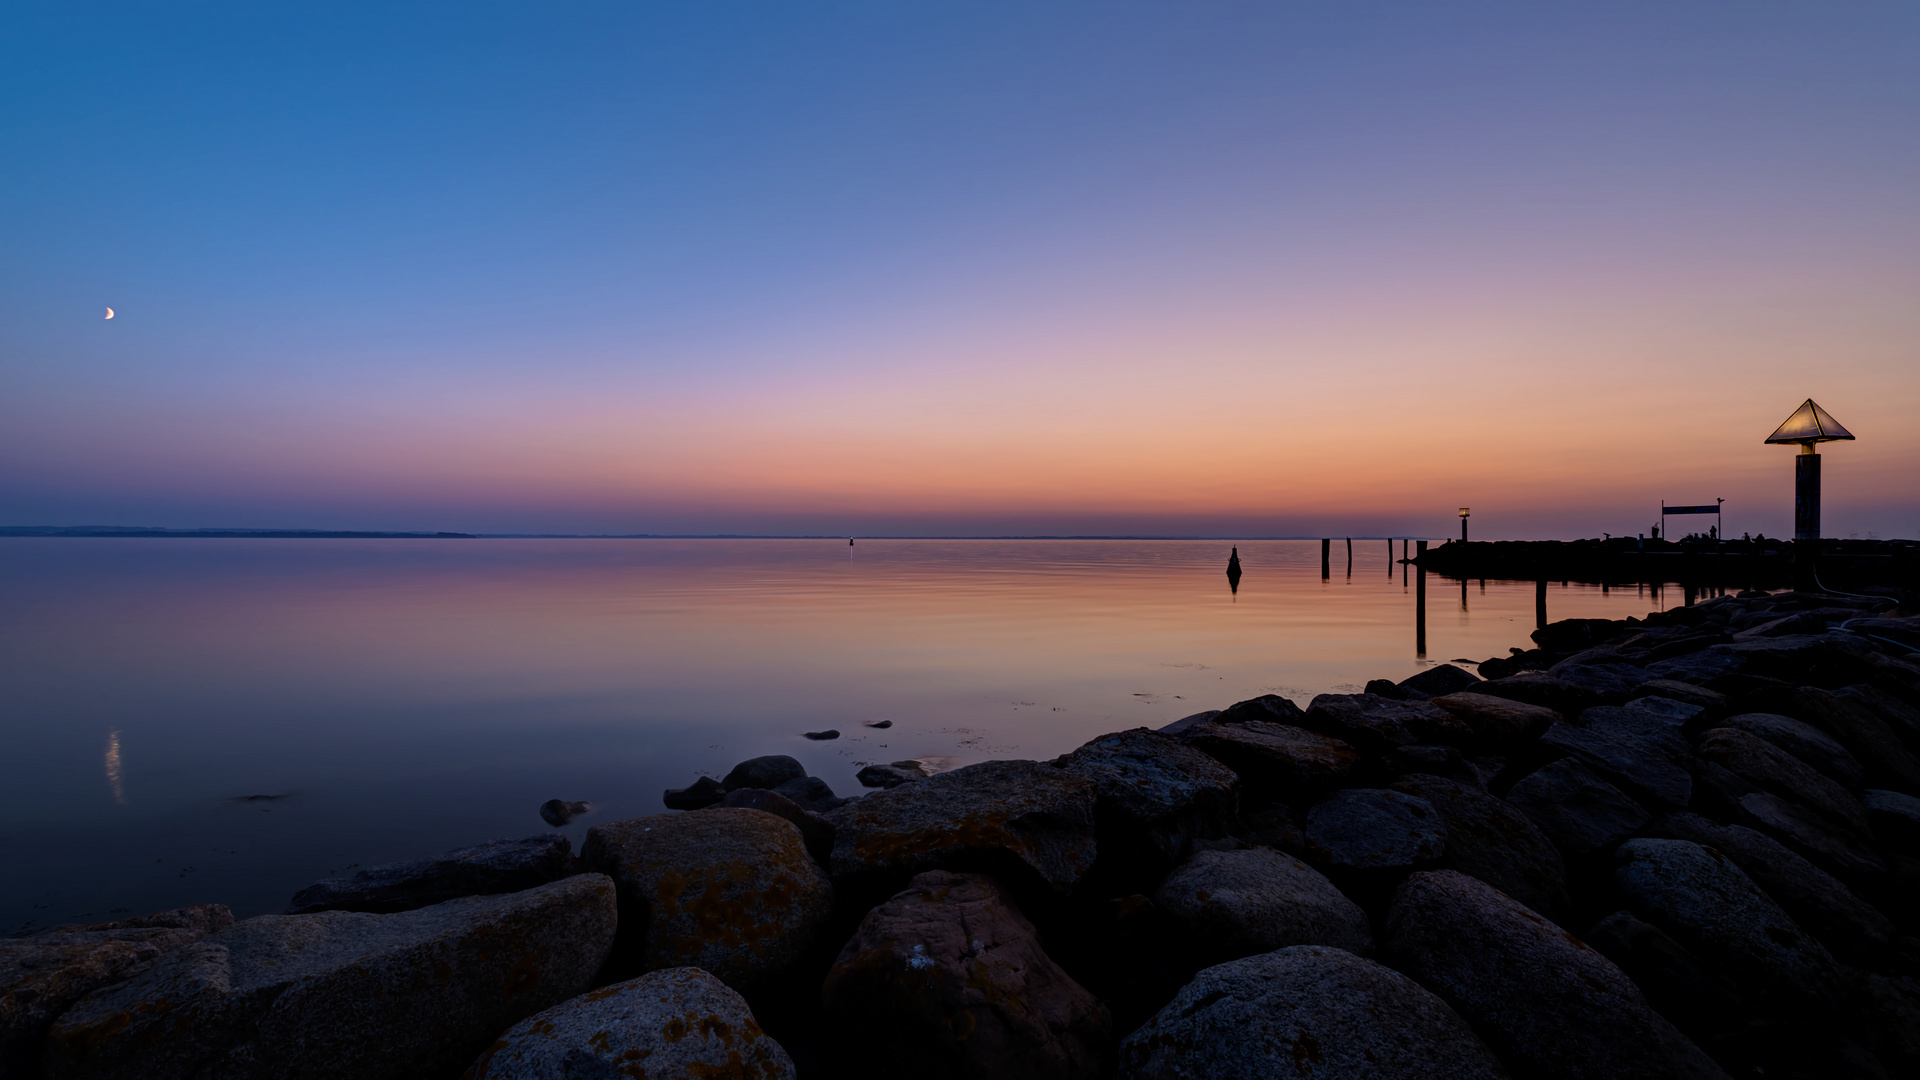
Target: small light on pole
[[1464, 514]]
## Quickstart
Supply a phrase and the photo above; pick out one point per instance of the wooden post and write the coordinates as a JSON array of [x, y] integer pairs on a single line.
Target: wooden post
[[1539, 605], [1349, 556], [1326, 558], [1420, 606]]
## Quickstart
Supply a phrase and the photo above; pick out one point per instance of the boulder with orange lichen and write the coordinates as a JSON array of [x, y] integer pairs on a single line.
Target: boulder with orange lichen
[[342, 994], [665, 1025], [947, 980], [728, 889]]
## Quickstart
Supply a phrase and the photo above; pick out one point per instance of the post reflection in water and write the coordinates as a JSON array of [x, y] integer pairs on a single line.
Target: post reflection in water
[[113, 768]]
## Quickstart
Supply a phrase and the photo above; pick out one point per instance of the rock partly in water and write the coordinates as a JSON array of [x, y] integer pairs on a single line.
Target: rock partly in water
[[815, 831], [1547, 1004], [1275, 762], [1374, 829], [811, 793], [893, 775], [948, 980], [42, 974], [1438, 680], [673, 1023], [1498, 721], [1490, 839], [498, 866], [1269, 707], [1026, 821], [881, 724], [344, 994], [1577, 810], [558, 812], [821, 736], [698, 795], [763, 772], [1700, 898], [1373, 724], [728, 889], [1155, 794], [1311, 1012], [1237, 903]]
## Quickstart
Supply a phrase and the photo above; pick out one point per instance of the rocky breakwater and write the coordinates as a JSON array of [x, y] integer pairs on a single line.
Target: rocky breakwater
[[1680, 846]]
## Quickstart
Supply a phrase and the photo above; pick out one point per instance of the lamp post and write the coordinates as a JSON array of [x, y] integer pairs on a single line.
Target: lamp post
[[1808, 425], [1464, 513]]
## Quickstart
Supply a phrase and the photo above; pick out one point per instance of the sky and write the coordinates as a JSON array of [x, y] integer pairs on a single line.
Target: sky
[[931, 268]]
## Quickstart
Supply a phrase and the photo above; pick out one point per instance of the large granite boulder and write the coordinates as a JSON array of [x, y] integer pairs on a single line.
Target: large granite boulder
[[947, 980], [343, 994], [1498, 721], [498, 866], [1306, 1011], [1577, 810], [815, 831], [1804, 741], [1542, 689], [1025, 820], [1490, 839], [728, 889], [671, 1024], [764, 772], [1657, 723], [1773, 769], [1703, 1003], [1634, 766], [1857, 726], [1701, 899], [1547, 1004], [1610, 683], [1236, 903], [1848, 926], [1374, 724], [811, 794], [1374, 829], [1834, 848], [1895, 819], [1271, 708], [42, 974], [1275, 761], [1437, 680], [1155, 794]]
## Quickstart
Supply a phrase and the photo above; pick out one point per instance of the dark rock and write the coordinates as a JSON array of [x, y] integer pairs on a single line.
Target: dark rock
[[815, 831], [1679, 985], [1024, 819], [558, 812], [1569, 635], [1306, 1011], [727, 889], [1779, 772], [1155, 791], [1698, 667], [1804, 741], [604, 1033], [1434, 760], [1700, 898], [1577, 810], [948, 980], [1236, 903], [882, 724], [1498, 721], [1385, 688], [344, 994], [1275, 761], [1610, 683], [42, 974], [1437, 680], [1755, 693], [892, 776], [1274, 826], [1542, 689], [1547, 1004], [820, 736], [1374, 725], [698, 795], [1659, 724], [1272, 708], [498, 866], [1187, 722], [1831, 847], [1857, 727], [1491, 840], [811, 793], [1690, 693], [1887, 1008], [1375, 829], [1628, 763], [1849, 927], [764, 772], [1895, 819], [1902, 718]]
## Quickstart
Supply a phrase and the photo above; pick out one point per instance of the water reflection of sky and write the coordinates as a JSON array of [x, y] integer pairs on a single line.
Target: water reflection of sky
[[403, 697]]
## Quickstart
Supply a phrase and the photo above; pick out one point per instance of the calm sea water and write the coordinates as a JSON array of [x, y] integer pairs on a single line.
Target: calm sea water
[[399, 698]]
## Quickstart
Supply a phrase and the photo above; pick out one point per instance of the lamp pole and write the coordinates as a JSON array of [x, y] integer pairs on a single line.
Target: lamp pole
[[1809, 424], [1464, 513]]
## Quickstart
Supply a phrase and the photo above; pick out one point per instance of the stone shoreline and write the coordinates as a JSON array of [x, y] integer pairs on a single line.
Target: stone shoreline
[[1684, 846]]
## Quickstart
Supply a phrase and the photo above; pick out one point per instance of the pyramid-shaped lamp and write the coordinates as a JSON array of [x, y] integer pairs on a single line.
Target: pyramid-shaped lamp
[[1808, 425]]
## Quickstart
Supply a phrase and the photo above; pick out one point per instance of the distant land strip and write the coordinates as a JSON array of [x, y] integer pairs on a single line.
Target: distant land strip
[[331, 534], [225, 534]]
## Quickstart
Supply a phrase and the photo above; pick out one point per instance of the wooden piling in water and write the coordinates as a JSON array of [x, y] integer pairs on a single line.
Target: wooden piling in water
[[1326, 557]]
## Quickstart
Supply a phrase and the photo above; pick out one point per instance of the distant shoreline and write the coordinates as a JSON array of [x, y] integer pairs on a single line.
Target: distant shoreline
[[138, 532]]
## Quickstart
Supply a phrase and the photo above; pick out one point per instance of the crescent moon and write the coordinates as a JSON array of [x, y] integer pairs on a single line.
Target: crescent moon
[[109, 313]]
